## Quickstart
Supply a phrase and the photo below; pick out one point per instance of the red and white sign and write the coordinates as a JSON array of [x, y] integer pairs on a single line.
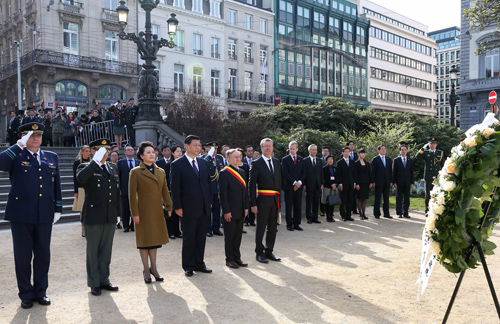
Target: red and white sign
[[277, 100], [492, 97]]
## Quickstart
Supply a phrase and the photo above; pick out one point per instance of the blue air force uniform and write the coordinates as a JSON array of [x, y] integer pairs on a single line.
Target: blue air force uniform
[[215, 164], [34, 197]]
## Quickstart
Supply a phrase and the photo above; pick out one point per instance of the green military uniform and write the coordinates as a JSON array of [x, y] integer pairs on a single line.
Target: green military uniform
[[130, 116], [99, 215], [434, 161]]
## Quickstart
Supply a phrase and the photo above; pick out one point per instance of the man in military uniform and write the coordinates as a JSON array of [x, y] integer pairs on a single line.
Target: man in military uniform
[[101, 208], [130, 115], [216, 164], [34, 204], [434, 160]]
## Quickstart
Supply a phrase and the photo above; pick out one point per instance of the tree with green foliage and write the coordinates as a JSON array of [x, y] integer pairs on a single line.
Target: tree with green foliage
[[485, 14]]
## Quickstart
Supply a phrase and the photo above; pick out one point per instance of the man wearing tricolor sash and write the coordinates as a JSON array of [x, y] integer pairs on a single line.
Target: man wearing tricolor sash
[[234, 202], [265, 173]]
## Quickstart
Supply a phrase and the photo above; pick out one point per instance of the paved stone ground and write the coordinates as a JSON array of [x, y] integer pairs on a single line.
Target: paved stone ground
[[354, 272]]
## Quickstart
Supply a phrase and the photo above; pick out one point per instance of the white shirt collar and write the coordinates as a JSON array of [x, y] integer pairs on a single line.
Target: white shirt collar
[[191, 160], [382, 156]]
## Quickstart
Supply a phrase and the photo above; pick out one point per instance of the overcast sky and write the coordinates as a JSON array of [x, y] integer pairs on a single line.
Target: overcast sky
[[436, 14]]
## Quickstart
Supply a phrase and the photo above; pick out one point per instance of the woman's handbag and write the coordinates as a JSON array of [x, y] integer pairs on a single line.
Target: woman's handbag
[[333, 199], [69, 132]]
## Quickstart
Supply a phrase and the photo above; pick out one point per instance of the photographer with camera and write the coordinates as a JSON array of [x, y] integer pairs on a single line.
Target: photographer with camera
[[58, 124]]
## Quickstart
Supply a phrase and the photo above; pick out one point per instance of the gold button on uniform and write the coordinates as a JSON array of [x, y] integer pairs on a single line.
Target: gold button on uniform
[[41, 186], [40, 169], [40, 195], [40, 178], [110, 200]]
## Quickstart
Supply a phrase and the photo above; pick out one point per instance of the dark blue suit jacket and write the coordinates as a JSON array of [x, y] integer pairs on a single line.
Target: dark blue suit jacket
[[381, 175], [292, 172], [124, 173], [189, 192], [36, 193]]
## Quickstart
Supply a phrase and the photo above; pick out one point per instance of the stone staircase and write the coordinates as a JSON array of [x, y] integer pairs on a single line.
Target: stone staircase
[[67, 156]]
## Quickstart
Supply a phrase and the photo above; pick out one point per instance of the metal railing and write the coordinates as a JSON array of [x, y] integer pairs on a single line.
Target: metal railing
[[109, 14], [71, 6], [76, 61], [197, 52], [91, 132], [215, 55], [248, 59], [233, 57]]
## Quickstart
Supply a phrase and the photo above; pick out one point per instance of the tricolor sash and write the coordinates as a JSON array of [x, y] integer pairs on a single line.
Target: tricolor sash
[[237, 175], [270, 193]]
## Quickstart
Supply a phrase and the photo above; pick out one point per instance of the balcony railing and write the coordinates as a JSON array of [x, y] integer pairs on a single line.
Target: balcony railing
[[233, 57], [43, 57], [248, 96], [17, 16], [30, 7], [179, 49], [215, 55], [198, 52], [248, 59], [108, 14], [70, 6]]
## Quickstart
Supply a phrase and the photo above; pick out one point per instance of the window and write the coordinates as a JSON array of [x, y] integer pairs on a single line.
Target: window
[[263, 54], [179, 3], [360, 35], [197, 73], [60, 90], [347, 31], [334, 26], [82, 91], [155, 29], [215, 9], [303, 17], [232, 17], [248, 53], [214, 48], [110, 4], [232, 83], [214, 80], [70, 38], [231, 49], [492, 63], [178, 78], [262, 85], [179, 41], [111, 39], [197, 5], [248, 22], [248, 85], [286, 12], [197, 44], [319, 20], [263, 26], [70, 89], [33, 37]]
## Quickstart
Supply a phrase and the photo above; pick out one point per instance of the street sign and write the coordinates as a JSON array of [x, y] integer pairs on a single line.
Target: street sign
[[492, 98]]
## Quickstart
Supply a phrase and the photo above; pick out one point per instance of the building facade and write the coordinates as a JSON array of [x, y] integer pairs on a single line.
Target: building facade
[[448, 56], [70, 55], [479, 74], [401, 64], [321, 50]]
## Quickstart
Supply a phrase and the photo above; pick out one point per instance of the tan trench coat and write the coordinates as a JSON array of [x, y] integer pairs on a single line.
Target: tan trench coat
[[147, 193]]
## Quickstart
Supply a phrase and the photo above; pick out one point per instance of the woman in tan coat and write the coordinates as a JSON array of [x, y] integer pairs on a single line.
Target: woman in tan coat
[[147, 193]]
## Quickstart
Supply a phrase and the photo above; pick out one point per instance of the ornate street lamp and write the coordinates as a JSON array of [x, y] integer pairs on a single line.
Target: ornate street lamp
[[147, 46], [453, 96]]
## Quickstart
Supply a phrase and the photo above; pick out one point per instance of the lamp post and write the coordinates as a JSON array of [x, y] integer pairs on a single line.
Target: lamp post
[[147, 46], [453, 96]]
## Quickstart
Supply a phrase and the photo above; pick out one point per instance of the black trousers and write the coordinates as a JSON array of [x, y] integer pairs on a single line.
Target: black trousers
[[346, 197], [214, 218], [293, 207], [428, 187], [127, 221], [312, 202], [402, 200], [194, 236], [31, 243], [379, 191], [13, 138], [232, 238], [250, 219], [267, 218], [173, 224]]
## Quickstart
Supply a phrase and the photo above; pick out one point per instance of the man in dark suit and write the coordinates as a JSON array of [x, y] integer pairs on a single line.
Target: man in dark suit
[[124, 167], [31, 118], [13, 131], [293, 179], [265, 173], [313, 183], [353, 155], [33, 205], [192, 197], [325, 151], [402, 178], [234, 202], [247, 160], [346, 182], [382, 175], [101, 209]]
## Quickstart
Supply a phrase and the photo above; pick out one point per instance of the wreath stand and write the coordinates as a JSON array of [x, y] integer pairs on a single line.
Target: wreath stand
[[475, 245]]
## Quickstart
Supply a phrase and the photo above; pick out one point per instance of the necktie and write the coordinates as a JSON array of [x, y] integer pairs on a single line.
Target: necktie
[[404, 162], [347, 162], [352, 155], [314, 162], [294, 160], [196, 169], [130, 165], [103, 167], [270, 166], [383, 160], [35, 155]]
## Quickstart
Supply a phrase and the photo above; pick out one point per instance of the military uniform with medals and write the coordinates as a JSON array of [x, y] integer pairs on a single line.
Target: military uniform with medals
[[434, 161], [216, 164]]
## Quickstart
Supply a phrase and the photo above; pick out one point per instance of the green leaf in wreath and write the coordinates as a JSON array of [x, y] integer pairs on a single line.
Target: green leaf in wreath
[[459, 215], [487, 150], [495, 135], [488, 246], [469, 173], [476, 204]]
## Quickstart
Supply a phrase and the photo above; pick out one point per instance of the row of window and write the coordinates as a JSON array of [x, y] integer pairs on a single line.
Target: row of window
[[248, 23], [444, 35], [441, 111], [446, 57], [445, 70], [400, 78], [400, 97], [393, 21], [448, 44], [401, 41], [71, 44], [441, 84], [401, 60]]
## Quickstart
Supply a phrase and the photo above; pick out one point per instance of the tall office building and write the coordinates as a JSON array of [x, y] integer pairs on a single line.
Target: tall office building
[[448, 56], [401, 64]]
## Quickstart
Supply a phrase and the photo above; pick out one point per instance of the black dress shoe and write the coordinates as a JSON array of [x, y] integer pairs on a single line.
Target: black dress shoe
[[388, 216], [132, 229], [406, 216], [309, 221], [188, 273], [298, 228], [205, 270], [400, 216], [232, 264], [96, 291], [243, 231], [272, 257], [147, 280], [27, 303], [118, 226], [218, 233], [316, 221], [210, 234], [43, 301], [252, 224], [247, 224], [377, 217], [364, 216], [289, 228], [261, 258], [126, 230], [159, 278], [179, 236], [241, 263], [109, 287], [172, 237]]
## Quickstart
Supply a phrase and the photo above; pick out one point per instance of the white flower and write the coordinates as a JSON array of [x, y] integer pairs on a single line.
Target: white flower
[[432, 214], [435, 190], [440, 198], [449, 185], [435, 248], [439, 209], [457, 151], [430, 224]]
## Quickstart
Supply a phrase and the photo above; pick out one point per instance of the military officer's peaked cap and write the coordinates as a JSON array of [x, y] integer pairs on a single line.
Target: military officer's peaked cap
[[433, 139], [210, 144], [37, 128], [131, 99], [103, 142]]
